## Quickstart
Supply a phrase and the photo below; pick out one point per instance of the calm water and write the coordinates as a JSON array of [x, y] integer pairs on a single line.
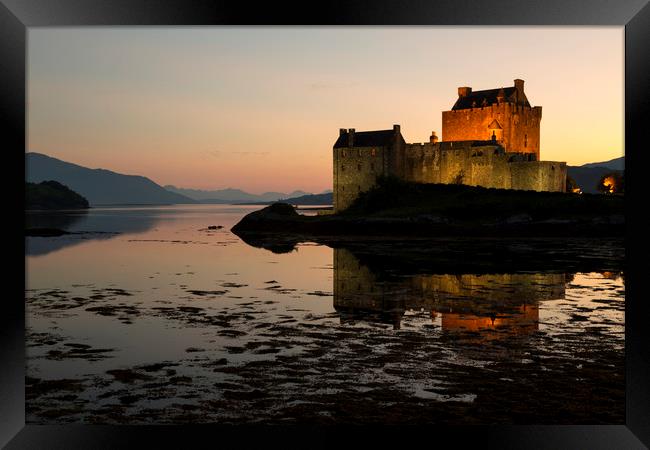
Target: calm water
[[148, 316]]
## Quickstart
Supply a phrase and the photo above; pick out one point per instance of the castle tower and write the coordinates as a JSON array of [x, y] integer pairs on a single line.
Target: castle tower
[[360, 157], [502, 114]]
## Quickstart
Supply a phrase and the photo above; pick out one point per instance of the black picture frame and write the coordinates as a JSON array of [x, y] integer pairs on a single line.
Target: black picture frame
[[16, 16]]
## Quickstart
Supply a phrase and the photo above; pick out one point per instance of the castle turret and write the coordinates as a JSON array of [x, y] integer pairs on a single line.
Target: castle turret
[[464, 91], [351, 137]]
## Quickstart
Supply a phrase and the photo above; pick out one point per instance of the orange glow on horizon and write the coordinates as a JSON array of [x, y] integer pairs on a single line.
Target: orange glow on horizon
[[259, 108]]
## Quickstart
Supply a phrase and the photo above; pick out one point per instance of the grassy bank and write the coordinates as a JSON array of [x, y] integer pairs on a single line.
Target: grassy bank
[[395, 198], [396, 208]]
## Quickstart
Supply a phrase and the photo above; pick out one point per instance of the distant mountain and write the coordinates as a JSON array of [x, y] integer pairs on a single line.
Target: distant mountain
[[588, 175], [326, 198], [99, 186], [232, 195], [309, 199], [615, 164], [52, 195]]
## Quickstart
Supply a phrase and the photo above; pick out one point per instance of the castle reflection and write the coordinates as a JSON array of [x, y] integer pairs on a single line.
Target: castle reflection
[[492, 305]]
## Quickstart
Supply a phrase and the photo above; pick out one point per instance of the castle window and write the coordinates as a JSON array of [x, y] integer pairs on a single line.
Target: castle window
[[342, 168], [372, 166], [359, 167], [373, 152], [525, 140], [360, 152], [359, 188], [344, 153]]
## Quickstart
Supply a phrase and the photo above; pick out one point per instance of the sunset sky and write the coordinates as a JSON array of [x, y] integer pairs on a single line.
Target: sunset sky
[[259, 108]]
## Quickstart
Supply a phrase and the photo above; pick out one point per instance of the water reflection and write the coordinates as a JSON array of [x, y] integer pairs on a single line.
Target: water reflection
[[184, 323], [64, 220], [507, 303], [96, 224]]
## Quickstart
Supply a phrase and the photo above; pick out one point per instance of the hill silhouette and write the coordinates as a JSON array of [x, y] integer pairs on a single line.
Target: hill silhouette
[[588, 175], [231, 195], [614, 164], [99, 186], [326, 198], [52, 195]]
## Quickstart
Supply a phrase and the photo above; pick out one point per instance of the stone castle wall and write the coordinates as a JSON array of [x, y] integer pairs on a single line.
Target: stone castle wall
[[486, 166], [475, 166], [539, 176], [356, 170], [521, 125]]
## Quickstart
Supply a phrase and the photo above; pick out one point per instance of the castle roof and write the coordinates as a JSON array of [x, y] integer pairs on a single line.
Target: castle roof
[[379, 138], [477, 99]]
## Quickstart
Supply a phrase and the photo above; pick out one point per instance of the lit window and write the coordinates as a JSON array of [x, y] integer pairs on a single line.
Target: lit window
[[373, 152], [343, 153]]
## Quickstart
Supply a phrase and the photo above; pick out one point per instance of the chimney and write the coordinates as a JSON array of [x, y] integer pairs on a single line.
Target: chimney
[[342, 131], [396, 129], [464, 91], [501, 96], [519, 85], [351, 137], [433, 139]]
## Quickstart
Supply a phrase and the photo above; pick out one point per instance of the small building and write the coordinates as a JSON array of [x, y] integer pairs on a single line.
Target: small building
[[490, 139]]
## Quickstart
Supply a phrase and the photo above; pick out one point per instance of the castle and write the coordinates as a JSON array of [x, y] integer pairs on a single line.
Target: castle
[[490, 138]]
